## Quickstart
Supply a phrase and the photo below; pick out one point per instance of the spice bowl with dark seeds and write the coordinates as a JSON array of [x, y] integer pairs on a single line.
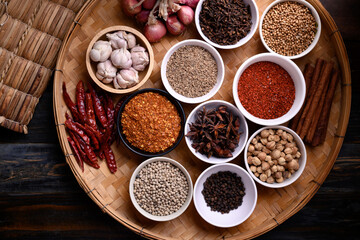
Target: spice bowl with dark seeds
[[192, 71], [269, 89], [216, 132], [226, 24], [151, 122], [290, 28], [275, 156], [225, 195], [160, 189]]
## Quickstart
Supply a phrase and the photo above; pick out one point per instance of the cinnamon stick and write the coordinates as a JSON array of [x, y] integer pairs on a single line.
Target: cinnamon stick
[[314, 81], [325, 76], [308, 73], [315, 119], [321, 129]]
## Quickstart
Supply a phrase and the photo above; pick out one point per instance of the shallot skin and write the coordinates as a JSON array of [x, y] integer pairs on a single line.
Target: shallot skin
[[154, 32], [128, 7], [174, 26], [142, 17], [186, 15], [148, 4]]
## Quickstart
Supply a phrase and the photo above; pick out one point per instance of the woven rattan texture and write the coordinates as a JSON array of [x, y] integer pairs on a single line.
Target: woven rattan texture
[[110, 191], [30, 40]]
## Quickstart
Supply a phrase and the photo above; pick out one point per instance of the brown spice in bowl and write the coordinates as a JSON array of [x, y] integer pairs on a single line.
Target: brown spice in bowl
[[150, 122], [192, 71]]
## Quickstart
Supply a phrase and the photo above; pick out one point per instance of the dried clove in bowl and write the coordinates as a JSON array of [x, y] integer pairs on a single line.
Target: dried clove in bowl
[[215, 132]]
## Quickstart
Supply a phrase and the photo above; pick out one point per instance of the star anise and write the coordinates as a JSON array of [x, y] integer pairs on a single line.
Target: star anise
[[215, 132]]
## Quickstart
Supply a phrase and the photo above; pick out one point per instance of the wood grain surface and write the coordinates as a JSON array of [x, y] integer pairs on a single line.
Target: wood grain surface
[[40, 198]]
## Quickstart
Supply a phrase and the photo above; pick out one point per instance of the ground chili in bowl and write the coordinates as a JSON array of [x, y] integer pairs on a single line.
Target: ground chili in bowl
[[151, 122], [269, 89]]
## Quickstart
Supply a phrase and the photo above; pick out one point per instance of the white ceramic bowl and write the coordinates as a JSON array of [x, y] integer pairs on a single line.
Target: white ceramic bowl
[[302, 160], [243, 128], [145, 213], [236, 216], [254, 19], [219, 62], [294, 72], [317, 35]]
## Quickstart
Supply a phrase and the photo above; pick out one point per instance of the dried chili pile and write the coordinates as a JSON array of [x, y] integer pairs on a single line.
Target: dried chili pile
[[225, 22], [266, 90], [92, 126], [215, 132], [150, 122]]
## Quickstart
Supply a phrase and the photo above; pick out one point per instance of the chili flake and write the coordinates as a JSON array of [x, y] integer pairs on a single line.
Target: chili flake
[[150, 122], [266, 90]]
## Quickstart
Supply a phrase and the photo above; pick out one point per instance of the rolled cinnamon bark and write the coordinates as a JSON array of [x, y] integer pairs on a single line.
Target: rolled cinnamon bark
[[321, 129], [308, 73], [314, 81], [324, 78]]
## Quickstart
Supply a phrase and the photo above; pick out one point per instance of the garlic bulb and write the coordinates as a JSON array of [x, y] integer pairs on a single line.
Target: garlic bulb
[[139, 57], [130, 38], [117, 40], [106, 72], [101, 51], [121, 58], [126, 78]]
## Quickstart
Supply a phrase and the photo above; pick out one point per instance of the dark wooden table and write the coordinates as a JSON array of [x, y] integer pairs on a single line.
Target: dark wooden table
[[41, 199]]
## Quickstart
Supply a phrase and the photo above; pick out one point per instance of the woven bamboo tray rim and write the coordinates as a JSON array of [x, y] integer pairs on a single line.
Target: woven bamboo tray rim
[[271, 222]]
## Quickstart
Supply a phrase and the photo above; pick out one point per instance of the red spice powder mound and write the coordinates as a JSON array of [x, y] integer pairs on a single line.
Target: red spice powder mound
[[266, 90]]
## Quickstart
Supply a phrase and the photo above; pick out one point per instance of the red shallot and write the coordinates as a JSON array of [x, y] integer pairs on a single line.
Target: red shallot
[[142, 17], [186, 14], [154, 32], [174, 26], [131, 7]]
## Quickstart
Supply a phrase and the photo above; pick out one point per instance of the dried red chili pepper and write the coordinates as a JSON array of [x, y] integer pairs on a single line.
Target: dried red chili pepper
[[70, 104], [110, 159], [73, 137], [92, 136], [71, 126], [80, 101], [94, 131], [90, 111], [88, 151], [76, 153], [99, 110]]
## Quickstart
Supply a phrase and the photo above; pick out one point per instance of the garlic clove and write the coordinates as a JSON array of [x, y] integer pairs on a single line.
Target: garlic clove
[[121, 58], [130, 38], [106, 72], [101, 51], [140, 58], [117, 40]]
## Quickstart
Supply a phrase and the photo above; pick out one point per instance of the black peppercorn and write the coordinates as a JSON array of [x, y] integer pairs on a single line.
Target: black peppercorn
[[223, 191]]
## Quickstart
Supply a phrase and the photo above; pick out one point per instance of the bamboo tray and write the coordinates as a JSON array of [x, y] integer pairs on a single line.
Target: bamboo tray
[[110, 191]]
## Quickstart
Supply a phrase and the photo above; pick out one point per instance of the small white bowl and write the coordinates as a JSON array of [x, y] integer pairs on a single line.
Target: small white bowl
[[254, 19], [145, 213], [236, 216], [294, 72], [219, 63], [302, 159], [317, 35], [243, 128]]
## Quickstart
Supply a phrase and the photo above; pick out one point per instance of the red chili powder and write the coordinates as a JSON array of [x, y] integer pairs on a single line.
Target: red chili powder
[[266, 90]]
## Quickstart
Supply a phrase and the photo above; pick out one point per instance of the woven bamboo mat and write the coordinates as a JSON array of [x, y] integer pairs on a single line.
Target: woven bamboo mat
[[274, 206], [31, 34]]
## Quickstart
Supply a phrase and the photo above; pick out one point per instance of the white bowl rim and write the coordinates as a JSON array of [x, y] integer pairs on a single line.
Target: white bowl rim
[[290, 180], [317, 35], [183, 207], [203, 157], [246, 174], [219, 62], [275, 121], [241, 41]]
